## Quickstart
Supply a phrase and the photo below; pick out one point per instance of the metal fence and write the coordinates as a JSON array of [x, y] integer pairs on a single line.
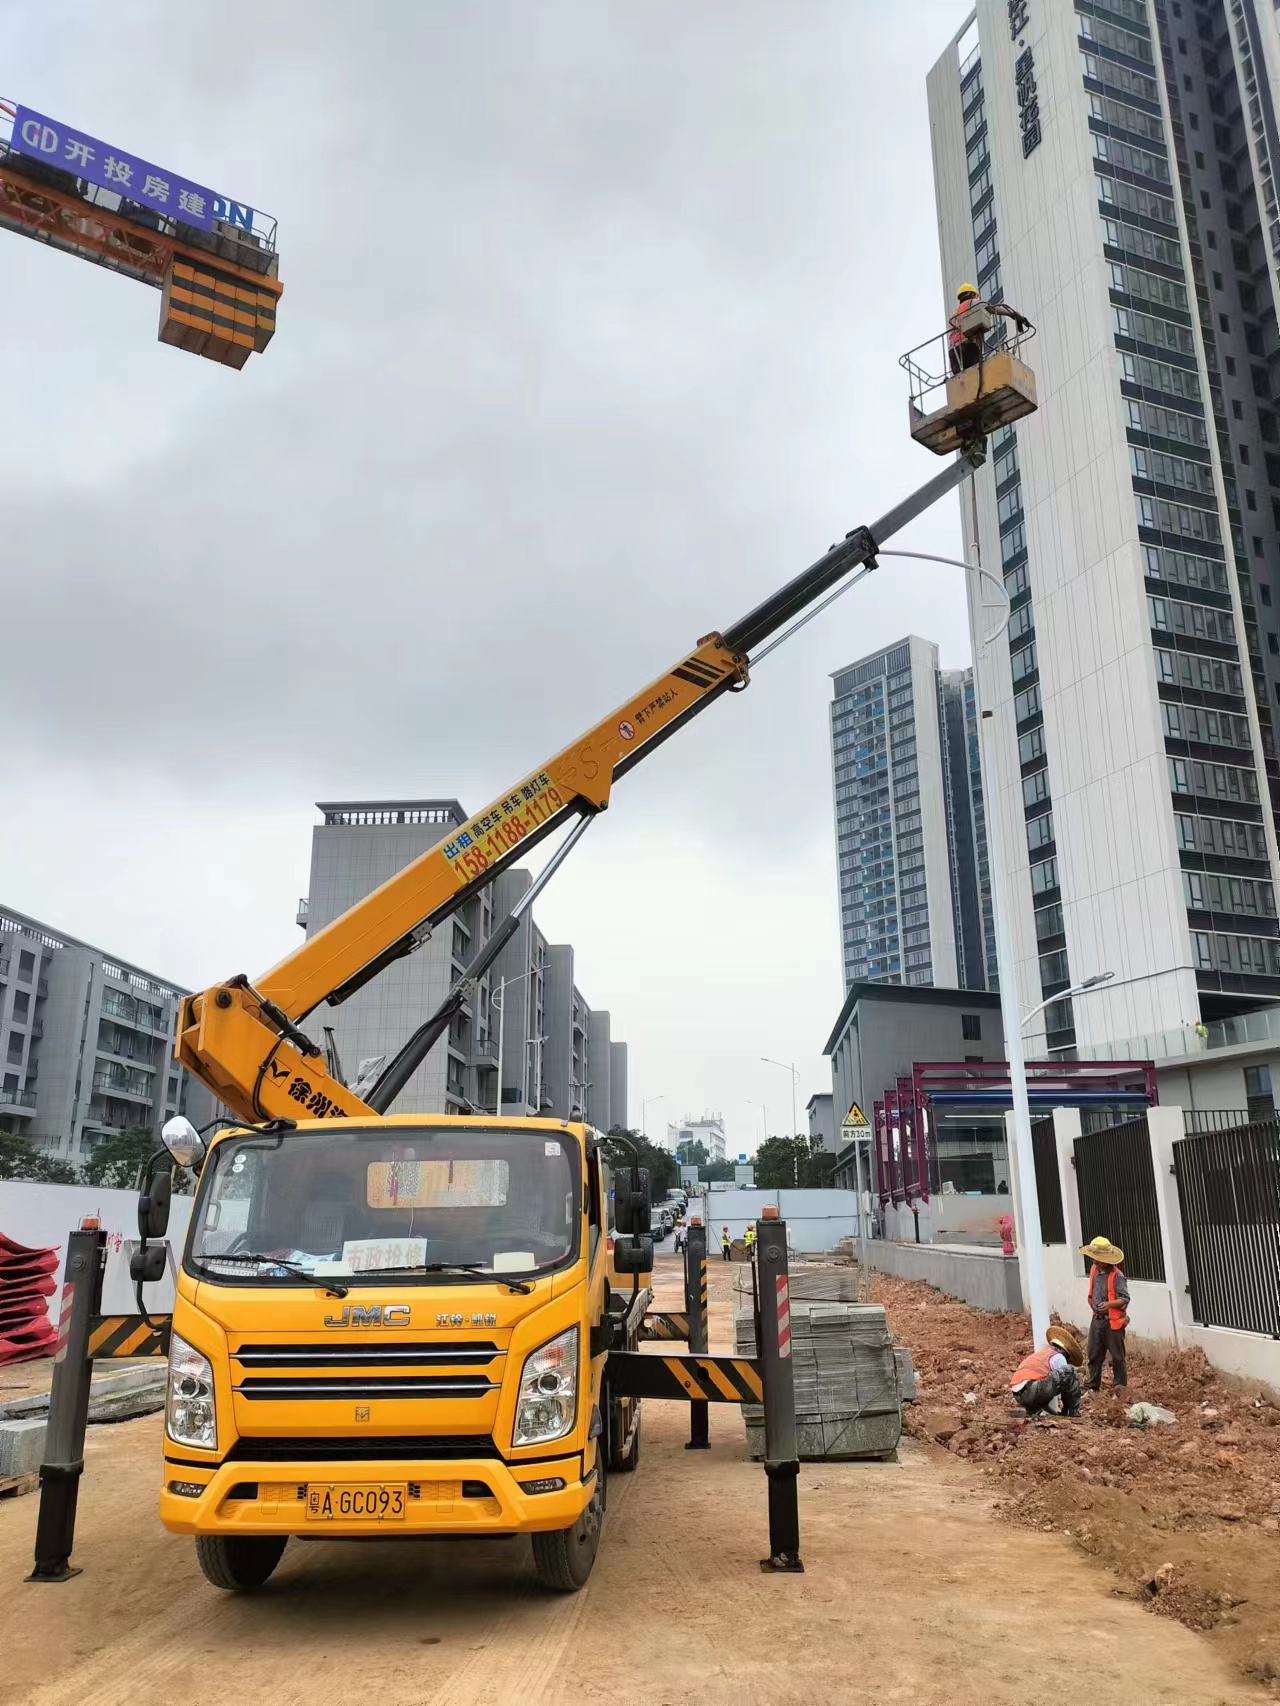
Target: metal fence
[[1116, 1184], [1229, 1194], [1198, 1120], [1053, 1225]]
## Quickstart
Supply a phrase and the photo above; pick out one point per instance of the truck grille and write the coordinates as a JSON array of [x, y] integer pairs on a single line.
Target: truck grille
[[387, 1353], [317, 1448], [369, 1386]]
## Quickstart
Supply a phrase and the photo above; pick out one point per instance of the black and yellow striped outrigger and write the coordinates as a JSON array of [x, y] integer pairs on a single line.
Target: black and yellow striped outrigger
[[711, 1379], [128, 1336]]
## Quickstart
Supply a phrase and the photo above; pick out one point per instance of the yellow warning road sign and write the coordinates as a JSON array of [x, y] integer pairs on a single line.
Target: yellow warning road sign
[[855, 1116]]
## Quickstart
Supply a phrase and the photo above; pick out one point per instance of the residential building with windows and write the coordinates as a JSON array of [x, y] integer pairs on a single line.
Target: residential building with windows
[[915, 904], [545, 1035], [1107, 167], [86, 1043]]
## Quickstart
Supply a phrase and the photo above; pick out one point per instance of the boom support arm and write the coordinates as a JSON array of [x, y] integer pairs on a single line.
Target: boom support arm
[[243, 1039]]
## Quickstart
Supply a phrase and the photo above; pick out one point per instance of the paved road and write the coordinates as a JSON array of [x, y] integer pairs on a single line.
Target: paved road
[[914, 1592]]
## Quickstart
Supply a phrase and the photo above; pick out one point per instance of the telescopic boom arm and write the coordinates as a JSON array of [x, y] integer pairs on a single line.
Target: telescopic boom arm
[[243, 1040]]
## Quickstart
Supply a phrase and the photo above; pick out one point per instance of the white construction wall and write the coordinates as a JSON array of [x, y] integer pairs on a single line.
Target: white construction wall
[[43, 1215], [816, 1220]]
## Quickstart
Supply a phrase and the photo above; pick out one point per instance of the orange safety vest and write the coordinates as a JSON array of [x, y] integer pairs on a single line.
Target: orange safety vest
[[1035, 1367], [957, 336], [1115, 1306]]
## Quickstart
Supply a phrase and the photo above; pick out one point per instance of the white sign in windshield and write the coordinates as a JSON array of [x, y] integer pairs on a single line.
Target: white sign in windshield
[[372, 1255]]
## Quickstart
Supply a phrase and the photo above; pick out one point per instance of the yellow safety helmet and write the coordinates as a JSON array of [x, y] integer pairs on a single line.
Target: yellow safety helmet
[[966, 290]]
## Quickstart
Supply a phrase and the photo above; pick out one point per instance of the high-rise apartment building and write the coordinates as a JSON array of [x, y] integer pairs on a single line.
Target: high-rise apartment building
[[86, 1043], [1107, 166], [910, 842], [526, 1004], [618, 1100]]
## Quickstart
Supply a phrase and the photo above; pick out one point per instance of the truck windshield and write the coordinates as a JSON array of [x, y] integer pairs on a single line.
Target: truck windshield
[[347, 1201]]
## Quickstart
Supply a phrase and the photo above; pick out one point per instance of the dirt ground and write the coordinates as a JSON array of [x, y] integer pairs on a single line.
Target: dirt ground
[[1187, 1516], [914, 1591]]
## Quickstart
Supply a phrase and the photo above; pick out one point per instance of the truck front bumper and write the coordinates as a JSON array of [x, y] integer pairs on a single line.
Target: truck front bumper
[[476, 1496]]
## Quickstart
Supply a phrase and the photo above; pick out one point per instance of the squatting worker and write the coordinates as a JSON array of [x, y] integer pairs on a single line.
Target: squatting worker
[[724, 1243], [1109, 1305], [965, 348], [1050, 1373]]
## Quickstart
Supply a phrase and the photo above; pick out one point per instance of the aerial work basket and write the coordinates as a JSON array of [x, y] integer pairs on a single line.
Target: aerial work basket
[[950, 410]]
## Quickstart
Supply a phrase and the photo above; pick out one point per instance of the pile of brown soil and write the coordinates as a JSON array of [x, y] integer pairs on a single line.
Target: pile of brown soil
[[1186, 1515]]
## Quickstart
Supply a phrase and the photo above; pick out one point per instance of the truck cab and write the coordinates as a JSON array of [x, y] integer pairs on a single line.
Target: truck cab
[[398, 1326]]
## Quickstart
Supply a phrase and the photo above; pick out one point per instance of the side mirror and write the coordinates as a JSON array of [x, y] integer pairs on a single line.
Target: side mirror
[[183, 1141], [631, 1201], [153, 1208], [148, 1265], [633, 1255]]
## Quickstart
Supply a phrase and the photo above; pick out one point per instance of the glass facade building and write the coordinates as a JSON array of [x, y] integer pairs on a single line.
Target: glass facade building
[[1106, 166], [910, 848]]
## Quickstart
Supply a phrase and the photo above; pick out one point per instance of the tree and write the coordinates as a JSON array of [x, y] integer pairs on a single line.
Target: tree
[[116, 1163], [778, 1164], [692, 1152], [787, 1163], [20, 1159], [716, 1171]]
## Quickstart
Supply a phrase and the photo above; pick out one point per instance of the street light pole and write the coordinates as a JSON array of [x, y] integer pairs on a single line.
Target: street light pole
[[1028, 1201], [644, 1112], [502, 1026], [1067, 994], [787, 1066]]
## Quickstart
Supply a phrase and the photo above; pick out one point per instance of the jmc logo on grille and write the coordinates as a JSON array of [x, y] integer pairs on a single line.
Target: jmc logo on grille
[[376, 1315]]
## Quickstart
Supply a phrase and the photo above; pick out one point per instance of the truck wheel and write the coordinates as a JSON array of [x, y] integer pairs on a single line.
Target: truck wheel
[[239, 1562], [563, 1558]]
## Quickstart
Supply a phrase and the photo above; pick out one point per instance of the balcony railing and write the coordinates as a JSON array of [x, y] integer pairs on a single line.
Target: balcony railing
[[37, 1030], [484, 1048], [304, 908], [129, 1012], [136, 1092], [18, 1098]]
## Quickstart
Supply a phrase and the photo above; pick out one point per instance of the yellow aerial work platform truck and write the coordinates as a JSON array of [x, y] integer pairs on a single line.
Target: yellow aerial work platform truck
[[390, 1324]]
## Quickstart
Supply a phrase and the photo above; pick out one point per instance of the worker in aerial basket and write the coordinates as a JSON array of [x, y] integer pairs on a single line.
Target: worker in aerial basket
[[966, 348], [1048, 1376], [1109, 1306]]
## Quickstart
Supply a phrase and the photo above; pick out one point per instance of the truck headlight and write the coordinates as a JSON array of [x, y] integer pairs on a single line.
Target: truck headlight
[[547, 1404], [190, 1417]]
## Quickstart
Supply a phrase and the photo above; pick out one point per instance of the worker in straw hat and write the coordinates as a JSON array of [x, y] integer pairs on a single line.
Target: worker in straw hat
[[1047, 1378], [1109, 1308]]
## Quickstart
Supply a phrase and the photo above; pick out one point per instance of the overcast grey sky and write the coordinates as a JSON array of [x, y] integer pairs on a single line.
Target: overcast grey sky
[[588, 340]]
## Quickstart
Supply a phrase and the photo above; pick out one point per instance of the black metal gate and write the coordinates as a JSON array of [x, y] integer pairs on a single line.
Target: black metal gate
[[1229, 1193], [1053, 1226], [1116, 1184]]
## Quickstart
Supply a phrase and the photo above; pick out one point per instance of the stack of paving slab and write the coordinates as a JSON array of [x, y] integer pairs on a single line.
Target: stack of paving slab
[[847, 1381], [27, 1282]]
